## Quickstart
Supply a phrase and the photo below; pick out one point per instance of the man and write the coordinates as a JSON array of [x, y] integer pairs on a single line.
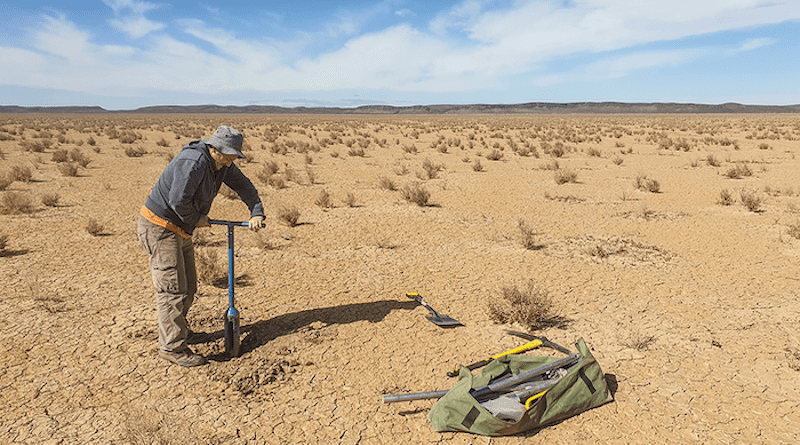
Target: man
[[178, 203]]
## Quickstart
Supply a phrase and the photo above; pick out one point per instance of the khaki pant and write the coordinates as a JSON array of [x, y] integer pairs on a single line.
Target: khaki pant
[[175, 279]]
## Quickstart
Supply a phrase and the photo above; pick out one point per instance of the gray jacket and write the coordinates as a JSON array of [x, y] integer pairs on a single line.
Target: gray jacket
[[188, 185]]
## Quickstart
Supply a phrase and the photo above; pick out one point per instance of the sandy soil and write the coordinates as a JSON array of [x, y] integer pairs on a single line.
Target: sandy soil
[[689, 306]]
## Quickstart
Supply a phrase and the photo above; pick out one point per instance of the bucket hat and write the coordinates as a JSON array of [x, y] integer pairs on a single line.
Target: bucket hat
[[227, 141]]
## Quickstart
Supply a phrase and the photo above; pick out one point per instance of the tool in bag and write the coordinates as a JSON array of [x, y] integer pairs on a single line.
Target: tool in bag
[[526, 347]]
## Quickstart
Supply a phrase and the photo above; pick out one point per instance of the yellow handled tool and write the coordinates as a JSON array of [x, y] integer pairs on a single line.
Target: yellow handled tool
[[526, 347], [528, 402]]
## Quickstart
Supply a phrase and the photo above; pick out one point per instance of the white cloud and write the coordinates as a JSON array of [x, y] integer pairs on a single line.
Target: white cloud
[[621, 66], [61, 38], [136, 27], [752, 44], [130, 17], [135, 7]]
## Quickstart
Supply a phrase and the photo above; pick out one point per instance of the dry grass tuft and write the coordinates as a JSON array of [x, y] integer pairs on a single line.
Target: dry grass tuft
[[21, 173], [386, 183], [350, 199], [94, 228], [288, 215], [69, 169], [565, 176], [210, 269], [642, 182], [3, 241], [740, 171], [5, 180], [477, 166], [527, 234], [149, 427], [495, 155], [528, 305], [639, 342], [16, 203], [793, 230], [324, 200], [50, 199], [416, 193], [725, 198], [431, 170], [135, 152], [751, 200]]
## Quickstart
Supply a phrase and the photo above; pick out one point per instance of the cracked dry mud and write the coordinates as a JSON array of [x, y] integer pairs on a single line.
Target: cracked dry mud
[[691, 308]]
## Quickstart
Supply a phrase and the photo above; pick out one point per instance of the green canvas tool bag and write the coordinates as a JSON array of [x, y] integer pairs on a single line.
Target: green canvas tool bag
[[584, 387]]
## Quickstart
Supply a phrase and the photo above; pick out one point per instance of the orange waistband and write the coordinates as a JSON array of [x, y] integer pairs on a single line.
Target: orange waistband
[[161, 222]]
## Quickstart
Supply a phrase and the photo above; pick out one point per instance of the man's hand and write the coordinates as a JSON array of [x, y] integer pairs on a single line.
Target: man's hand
[[256, 222], [203, 222]]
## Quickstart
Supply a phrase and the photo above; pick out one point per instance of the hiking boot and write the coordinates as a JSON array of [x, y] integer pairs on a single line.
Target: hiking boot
[[185, 358]]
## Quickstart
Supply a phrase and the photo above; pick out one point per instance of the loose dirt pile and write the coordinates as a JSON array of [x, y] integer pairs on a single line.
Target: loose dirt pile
[[685, 289]]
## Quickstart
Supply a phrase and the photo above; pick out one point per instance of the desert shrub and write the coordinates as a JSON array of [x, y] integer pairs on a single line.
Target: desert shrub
[[763, 146], [91, 141], [594, 152], [617, 160], [558, 150], [564, 176], [431, 170], [751, 200], [94, 227], [642, 182], [712, 160], [3, 241], [527, 234], [324, 199], [740, 171], [134, 152], [793, 230], [682, 144], [77, 156], [5, 180], [416, 193], [386, 183], [494, 155], [162, 143], [60, 156], [266, 172], [725, 198], [68, 169], [552, 165], [288, 215], [639, 341], [16, 203], [528, 305], [276, 181], [410, 149], [350, 199], [50, 199], [21, 173], [210, 269], [312, 177], [477, 166], [356, 151], [36, 146]]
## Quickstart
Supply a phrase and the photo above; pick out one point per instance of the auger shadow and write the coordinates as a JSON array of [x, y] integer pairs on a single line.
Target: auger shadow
[[263, 331]]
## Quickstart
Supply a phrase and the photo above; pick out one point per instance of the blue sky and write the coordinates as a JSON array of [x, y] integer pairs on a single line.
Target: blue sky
[[125, 54]]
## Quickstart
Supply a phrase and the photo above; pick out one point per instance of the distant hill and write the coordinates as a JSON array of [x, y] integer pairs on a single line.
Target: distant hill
[[526, 108]]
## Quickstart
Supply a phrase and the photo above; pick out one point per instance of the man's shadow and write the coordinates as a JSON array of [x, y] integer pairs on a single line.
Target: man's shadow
[[263, 331]]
